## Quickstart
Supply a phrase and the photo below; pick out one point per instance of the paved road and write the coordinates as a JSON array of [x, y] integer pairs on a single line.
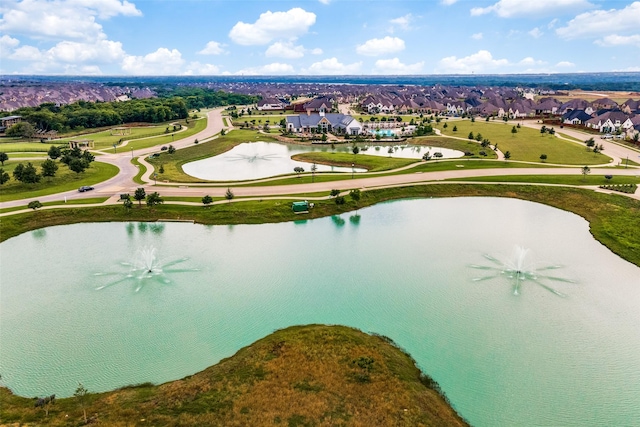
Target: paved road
[[123, 182]]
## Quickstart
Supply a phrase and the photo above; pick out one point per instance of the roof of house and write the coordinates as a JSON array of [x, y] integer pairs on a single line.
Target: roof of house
[[576, 114], [312, 120]]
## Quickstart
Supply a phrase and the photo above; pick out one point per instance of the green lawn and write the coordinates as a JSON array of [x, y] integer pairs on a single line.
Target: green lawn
[[172, 163], [557, 179], [64, 180], [140, 137], [16, 147], [528, 144], [370, 163]]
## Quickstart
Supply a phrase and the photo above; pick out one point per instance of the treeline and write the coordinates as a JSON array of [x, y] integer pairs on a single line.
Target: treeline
[[87, 115], [197, 98]]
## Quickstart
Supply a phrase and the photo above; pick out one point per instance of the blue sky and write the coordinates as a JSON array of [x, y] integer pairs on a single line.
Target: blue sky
[[280, 37]]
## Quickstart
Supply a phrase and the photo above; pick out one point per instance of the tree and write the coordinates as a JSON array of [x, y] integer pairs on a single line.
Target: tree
[[4, 177], [81, 394], [87, 157], [77, 165], [21, 130], [427, 156], [298, 170], [507, 155], [171, 149], [470, 135], [154, 199], [473, 119], [543, 129], [324, 137], [314, 168], [140, 195], [207, 200], [229, 195], [355, 196], [590, 142], [196, 141], [355, 150], [334, 193], [3, 157], [339, 200], [444, 126], [514, 130], [455, 128], [34, 205], [585, 171], [543, 157], [49, 168], [223, 132], [552, 131], [127, 203], [26, 174], [161, 169], [54, 152]]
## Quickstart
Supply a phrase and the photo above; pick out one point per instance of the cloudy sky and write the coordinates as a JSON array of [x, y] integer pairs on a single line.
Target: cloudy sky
[[276, 37]]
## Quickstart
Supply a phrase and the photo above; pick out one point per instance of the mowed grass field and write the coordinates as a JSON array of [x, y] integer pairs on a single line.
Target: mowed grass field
[[528, 144], [140, 137], [65, 180]]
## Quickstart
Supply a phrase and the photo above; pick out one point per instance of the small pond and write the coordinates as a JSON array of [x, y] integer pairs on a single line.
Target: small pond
[[256, 160]]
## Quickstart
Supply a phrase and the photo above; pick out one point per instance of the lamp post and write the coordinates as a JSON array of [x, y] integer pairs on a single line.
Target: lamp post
[[155, 179], [132, 152], [353, 165]]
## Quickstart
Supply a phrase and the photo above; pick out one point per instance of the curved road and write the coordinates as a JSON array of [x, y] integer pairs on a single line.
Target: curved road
[[123, 182]]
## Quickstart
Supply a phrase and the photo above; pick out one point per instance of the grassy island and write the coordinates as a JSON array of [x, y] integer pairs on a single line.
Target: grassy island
[[300, 376]]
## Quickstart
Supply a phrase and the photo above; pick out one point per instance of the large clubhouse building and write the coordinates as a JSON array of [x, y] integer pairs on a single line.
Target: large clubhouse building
[[324, 122]]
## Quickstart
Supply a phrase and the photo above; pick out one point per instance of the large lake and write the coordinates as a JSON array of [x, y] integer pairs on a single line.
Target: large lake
[[404, 269]]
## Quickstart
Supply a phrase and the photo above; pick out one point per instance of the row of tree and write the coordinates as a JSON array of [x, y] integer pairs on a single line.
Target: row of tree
[[197, 98], [75, 159], [87, 115]]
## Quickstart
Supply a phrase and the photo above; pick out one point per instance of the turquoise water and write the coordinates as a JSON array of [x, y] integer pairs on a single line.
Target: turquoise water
[[401, 269]]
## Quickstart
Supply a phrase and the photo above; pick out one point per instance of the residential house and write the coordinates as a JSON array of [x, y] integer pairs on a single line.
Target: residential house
[[8, 121], [271, 104], [609, 121], [575, 117]]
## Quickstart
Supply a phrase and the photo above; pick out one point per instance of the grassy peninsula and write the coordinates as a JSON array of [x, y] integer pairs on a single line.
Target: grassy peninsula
[[311, 375]]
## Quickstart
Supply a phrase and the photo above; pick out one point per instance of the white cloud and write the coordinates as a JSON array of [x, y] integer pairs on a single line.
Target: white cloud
[[212, 48], [553, 23], [75, 52], [7, 44], [395, 67], [325, 1], [565, 64], [376, 47], [481, 61], [26, 53], [316, 51], [601, 22], [448, 2], [536, 33], [284, 50], [616, 40], [196, 68], [332, 66], [269, 69], [530, 62], [58, 19], [403, 22], [273, 25], [161, 62], [512, 8], [477, 36]]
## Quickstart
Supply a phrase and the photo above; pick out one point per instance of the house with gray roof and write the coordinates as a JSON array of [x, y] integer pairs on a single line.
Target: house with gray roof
[[321, 122]]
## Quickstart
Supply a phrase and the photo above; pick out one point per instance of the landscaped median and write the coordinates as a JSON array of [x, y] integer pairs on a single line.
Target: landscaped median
[[614, 219]]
